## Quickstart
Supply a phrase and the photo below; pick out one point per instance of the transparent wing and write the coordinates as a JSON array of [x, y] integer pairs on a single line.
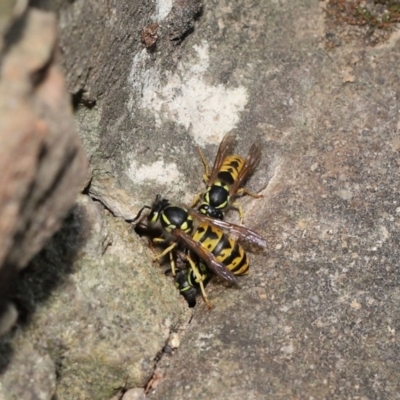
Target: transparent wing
[[224, 149], [250, 164], [241, 232], [217, 267]]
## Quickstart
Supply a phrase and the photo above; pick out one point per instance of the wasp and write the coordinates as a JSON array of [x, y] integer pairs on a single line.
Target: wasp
[[203, 236], [188, 283], [227, 176]]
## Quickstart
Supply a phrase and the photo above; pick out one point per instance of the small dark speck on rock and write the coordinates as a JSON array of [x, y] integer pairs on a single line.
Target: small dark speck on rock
[[167, 349], [381, 80]]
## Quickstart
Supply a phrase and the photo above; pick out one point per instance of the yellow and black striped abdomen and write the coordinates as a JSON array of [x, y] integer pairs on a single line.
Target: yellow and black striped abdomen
[[224, 248], [230, 169], [234, 257], [209, 236]]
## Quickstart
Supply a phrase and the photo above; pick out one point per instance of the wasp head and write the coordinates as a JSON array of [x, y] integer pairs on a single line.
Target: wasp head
[[211, 211], [157, 208]]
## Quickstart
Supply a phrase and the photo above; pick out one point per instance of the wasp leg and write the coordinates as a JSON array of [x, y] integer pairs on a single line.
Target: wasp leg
[[239, 207], [243, 191], [196, 200], [166, 251], [156, 240], [206, 175], [172, 263], [159, 240], [200, 280]]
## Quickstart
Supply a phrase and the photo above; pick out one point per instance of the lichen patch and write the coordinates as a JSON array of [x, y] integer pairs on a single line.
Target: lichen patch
[[207, 110], [158, 171]]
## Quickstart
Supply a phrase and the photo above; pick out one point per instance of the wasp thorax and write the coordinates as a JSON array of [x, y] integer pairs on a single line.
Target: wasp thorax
[[176, 218], [218, 196]]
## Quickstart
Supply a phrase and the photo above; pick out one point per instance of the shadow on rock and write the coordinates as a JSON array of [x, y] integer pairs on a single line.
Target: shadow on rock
[[46, 272]]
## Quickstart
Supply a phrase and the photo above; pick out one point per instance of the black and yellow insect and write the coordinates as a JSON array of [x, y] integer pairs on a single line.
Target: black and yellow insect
[[188, 283], [227, 176], [205, 237]]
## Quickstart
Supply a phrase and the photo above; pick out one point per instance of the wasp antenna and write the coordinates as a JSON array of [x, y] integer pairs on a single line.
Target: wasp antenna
[[138, 215]]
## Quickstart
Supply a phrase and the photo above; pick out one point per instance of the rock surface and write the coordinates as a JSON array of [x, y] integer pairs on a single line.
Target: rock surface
[[95, 307], [317, 316], [41, 157]]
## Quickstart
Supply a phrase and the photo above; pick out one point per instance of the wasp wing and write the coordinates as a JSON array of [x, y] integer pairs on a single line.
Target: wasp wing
[[241, 232], [224, 149], [217, 267], [251, 161]]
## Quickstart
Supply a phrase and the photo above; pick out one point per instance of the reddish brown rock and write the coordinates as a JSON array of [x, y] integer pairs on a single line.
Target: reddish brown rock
[[43, 165]]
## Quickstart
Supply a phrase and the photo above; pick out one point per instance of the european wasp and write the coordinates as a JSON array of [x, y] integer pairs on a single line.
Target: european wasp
[[188, 283], [227, 176], [205, 237]]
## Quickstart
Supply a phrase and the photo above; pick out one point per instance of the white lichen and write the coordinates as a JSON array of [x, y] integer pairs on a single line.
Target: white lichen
[[206, 111]]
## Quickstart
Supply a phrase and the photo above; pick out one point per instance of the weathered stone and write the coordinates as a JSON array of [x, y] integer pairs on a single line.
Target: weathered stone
[[41, 158], [134, 394], [106, 190], [180, 21], [325, 324], [10, 11], [30, 375], [317, 315], [106, 315]]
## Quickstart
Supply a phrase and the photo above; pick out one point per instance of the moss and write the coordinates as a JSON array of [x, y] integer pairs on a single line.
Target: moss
[[378, 15]]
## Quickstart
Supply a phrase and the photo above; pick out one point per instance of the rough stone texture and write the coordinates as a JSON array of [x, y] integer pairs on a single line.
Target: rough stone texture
[[30, 375], [102, 319], [41, 158], [134, 394], [105, 73], [10, 11], [91, 303], [317, 317]]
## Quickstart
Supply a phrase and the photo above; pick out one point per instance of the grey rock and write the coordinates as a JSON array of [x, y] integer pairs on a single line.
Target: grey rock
[[317, 315], [328, 240], [30, 375], [108, 310], [134, 394]]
